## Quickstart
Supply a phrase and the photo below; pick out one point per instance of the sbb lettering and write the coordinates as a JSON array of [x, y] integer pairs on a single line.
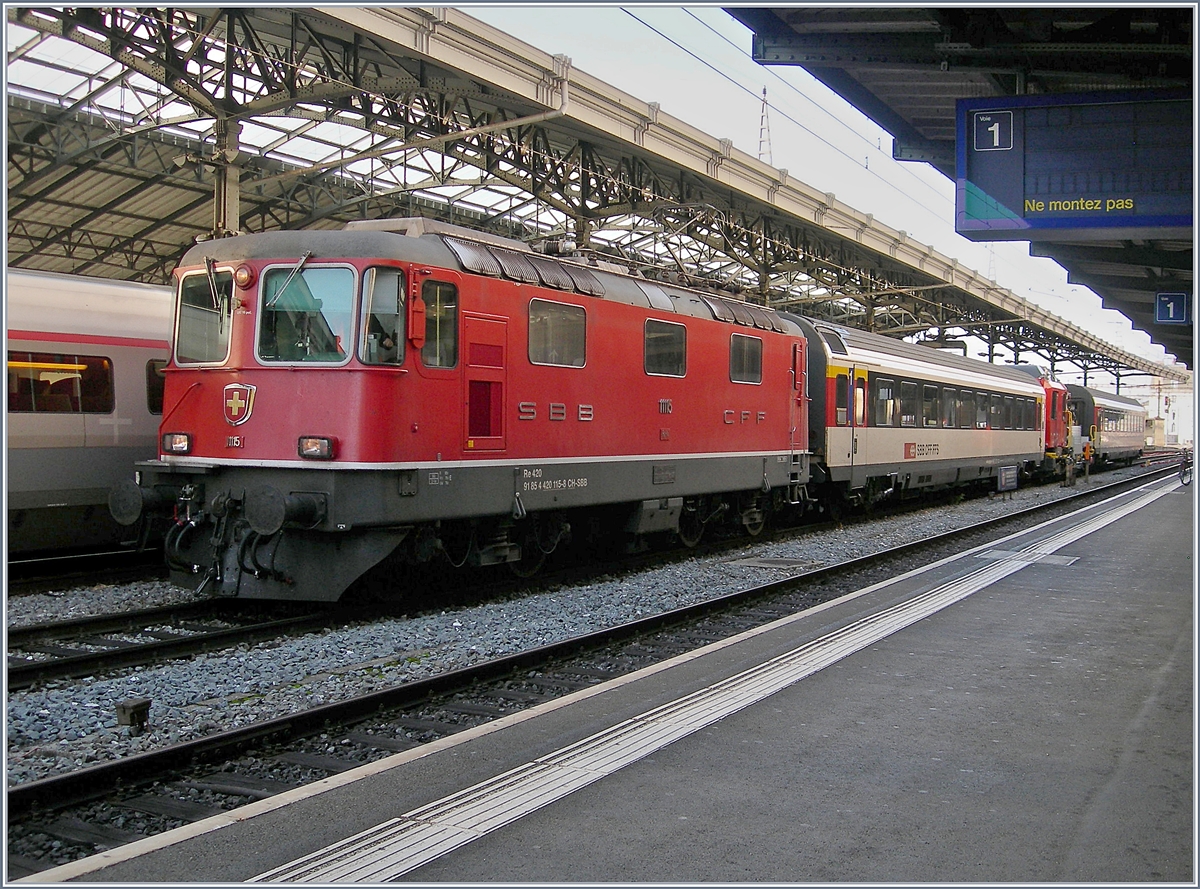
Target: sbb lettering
[[528, 410]]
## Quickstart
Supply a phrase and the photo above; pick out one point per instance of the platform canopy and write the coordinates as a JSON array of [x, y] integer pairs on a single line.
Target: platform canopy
[[907, 67], [132, 132]]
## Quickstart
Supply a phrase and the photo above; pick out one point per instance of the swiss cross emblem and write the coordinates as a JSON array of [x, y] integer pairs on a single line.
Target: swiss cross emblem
[[239, 402]]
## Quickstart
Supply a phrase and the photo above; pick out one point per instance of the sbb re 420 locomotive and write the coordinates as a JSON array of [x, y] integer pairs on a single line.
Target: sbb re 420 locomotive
[[406, 389], [401, 390]]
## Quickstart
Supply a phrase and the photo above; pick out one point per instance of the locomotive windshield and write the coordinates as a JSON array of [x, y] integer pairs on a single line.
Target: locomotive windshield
[[205, 307], [306, 313]]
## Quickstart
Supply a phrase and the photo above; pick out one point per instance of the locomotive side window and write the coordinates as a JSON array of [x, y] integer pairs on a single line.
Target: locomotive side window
[[908, 404], [383, 308], [665, 348], [205, 318], [557, 334], [745, 359], [306, 314], [929, 406], [441, 324], [155, 378], [885, 402], [61, 384], [842, 395]]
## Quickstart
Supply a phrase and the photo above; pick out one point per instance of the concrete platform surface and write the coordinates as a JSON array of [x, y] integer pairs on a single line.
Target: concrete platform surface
[[1021, 713]]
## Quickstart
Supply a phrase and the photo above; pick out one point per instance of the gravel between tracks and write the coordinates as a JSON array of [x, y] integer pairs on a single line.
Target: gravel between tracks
[[66, 725]]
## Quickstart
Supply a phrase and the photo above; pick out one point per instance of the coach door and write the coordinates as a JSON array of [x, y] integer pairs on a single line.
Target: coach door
[[486, 356], [859, 455]]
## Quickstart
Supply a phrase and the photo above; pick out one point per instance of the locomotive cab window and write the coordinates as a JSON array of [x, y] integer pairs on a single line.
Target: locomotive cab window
[[745, 359], [557, 334], [155, 380], [665, 348], [306, 313], [59, 384], [441, 324], [383, 313], [205, 317]]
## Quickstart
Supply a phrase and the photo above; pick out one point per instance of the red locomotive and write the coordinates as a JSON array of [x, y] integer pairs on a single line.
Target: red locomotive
[[335, 396], [404, 389]]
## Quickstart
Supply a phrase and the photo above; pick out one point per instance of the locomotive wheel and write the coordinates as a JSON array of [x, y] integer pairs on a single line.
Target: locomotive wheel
[[756, 527], [691, 526]]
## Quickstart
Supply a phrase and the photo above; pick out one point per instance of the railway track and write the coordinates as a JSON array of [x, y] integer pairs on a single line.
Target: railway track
[[55, 572], [222, 771], [89, 645]]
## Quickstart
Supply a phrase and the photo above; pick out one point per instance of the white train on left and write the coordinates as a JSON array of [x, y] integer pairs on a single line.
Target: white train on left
[[85, 384]]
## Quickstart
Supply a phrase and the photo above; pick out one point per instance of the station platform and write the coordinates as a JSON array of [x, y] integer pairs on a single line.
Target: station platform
[[1022, 712]]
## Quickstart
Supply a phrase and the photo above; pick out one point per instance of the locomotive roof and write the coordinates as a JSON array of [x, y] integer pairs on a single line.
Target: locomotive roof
[[422, 240]]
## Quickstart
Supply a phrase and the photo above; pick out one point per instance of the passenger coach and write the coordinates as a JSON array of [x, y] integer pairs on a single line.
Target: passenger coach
[[1114, 425], [888, 417], [85, 388]]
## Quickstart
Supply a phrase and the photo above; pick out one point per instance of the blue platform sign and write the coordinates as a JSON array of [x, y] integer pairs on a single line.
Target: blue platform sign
[[1172, 308], [1080, 166]]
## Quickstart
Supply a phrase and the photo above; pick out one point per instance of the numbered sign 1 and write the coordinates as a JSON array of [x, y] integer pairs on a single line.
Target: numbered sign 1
[[993, 130]]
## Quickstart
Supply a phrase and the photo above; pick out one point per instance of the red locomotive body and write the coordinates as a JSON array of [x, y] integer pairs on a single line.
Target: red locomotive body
[[336, 397]]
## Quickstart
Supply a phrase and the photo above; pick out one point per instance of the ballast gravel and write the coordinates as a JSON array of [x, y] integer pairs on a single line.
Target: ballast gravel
[[67, 725]]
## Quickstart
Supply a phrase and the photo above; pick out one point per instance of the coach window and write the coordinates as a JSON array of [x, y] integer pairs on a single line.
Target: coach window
[[1009, 414], [155, 378], [383, 310], [981, 410], [40, 382], [860, 402], [306, 314], [996, 412], [929, 406], [966, 409], [205, 318], [557, 334], [841, 387], [949, 408], [885, 402], [441, 324], [745, 359], [908, 404], [665, 349]]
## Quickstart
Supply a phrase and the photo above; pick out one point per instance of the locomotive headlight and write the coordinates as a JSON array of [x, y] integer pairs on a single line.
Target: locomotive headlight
[[315, 447], [243, 276], [176, 443]]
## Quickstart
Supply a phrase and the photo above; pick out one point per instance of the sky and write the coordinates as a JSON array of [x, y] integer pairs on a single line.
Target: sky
[[695, 62]]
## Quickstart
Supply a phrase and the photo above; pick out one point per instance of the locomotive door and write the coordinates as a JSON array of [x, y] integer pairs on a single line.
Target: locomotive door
[[486, 350]]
